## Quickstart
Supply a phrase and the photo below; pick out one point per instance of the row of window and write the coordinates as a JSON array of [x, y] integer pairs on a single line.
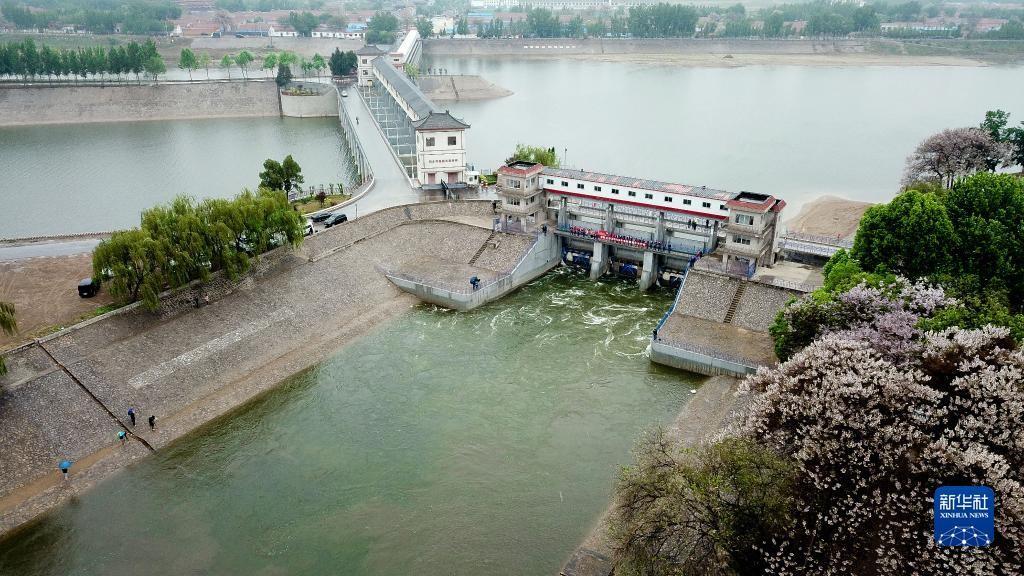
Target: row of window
[[451, 140], [631, 193]]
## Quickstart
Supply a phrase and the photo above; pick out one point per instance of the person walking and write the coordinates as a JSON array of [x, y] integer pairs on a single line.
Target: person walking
[[122, 436], [152, 422], [131, 415], [64, 466]]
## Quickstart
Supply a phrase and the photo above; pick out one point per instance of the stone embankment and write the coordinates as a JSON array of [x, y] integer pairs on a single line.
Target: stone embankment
[[64, 104], [720, 325], [67, 395]]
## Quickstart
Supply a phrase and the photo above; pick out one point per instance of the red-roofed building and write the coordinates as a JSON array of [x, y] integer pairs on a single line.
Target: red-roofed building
[[751, 229], [520, 192]]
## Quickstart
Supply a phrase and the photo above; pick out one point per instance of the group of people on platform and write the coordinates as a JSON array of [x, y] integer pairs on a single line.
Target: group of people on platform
[[604, 236]]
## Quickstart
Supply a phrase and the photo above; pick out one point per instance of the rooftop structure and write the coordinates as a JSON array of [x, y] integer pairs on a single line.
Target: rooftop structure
[[640, 183]]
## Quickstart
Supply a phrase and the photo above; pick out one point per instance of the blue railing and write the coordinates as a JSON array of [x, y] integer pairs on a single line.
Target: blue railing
[[675, 303]]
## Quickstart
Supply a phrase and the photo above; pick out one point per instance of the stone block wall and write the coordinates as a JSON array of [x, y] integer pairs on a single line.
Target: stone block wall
[[132, 102]]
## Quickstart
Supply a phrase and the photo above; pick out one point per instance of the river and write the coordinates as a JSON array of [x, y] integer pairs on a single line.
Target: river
[[96, 177], [798, 132], [393, 459]]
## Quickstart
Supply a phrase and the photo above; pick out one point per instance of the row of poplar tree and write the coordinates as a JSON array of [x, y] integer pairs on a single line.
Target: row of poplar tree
[[26, 60]]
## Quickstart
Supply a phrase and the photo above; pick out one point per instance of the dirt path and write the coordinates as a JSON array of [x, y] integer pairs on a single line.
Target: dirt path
[[44, 292]]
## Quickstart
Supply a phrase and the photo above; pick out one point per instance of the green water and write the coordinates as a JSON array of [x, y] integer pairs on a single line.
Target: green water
[[442, 443]]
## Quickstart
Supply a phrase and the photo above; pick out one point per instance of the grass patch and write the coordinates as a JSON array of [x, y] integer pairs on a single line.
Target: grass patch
[[311, 204]]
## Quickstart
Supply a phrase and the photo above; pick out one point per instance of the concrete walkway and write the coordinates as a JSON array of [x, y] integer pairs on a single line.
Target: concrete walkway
[[391, 185]]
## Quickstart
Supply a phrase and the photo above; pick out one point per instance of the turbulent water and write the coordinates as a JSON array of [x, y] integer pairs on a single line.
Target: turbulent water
[[442, 443]]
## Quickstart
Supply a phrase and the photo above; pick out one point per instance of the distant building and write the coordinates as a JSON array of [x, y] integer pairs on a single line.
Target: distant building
[[521, 192]]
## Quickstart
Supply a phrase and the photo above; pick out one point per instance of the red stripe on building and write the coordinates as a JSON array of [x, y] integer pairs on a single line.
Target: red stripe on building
[[640, 204]]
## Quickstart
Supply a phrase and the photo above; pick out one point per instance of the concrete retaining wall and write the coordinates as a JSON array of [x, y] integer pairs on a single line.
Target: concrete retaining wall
[[25, 105], [662, 353], [542, 256], [323, 104], [558, 46]]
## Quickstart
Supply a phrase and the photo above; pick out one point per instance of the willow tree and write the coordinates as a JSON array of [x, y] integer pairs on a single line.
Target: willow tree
[[8, 325]]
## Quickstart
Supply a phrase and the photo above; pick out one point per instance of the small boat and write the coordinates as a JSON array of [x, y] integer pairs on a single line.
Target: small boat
[[344, 94]]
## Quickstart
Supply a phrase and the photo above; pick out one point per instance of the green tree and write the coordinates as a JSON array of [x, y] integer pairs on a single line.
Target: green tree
[[342, 63], [188, 61], [283, 175], [226, 63], [597, 28], [381, 28], [986, 211], [8, 325], [424, 27], [702, 511], [303, 23], [133, 262], [155, 67], [204, 62], [284, 75], [318, 64], [243, 60], [269, 62], [545, 156], [910, 235]]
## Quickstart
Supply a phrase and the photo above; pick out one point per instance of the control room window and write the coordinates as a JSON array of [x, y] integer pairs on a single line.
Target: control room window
[[687, 201], [453, 139], [564, 183], [649, 196], [597, 188], [631, 193], [706, 204], [580, 186], [615, 190], [550, 181], [745, 219], [722, 207], [668, 198], [741, 240], [430, 141]]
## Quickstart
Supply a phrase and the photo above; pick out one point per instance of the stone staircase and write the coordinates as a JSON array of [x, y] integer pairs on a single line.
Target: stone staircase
[[482, 248], [735, 303]]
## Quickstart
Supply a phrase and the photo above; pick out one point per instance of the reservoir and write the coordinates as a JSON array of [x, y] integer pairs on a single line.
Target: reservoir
[[798, 132], [64, 179], [442, 443]]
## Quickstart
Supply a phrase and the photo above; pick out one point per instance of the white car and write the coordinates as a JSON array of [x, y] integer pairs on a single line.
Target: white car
[[344, 94], [309, 228]]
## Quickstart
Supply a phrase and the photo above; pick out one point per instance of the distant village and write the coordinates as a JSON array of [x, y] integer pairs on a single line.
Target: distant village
[[512, 19]]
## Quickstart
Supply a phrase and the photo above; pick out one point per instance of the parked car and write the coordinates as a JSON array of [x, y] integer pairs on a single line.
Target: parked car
[[335, 219], [344, 94], [239, 35], [309, 228], [87, 287], [321, 216]]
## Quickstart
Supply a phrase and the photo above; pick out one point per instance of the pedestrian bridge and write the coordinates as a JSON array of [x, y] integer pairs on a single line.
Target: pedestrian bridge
[[426, 141]]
